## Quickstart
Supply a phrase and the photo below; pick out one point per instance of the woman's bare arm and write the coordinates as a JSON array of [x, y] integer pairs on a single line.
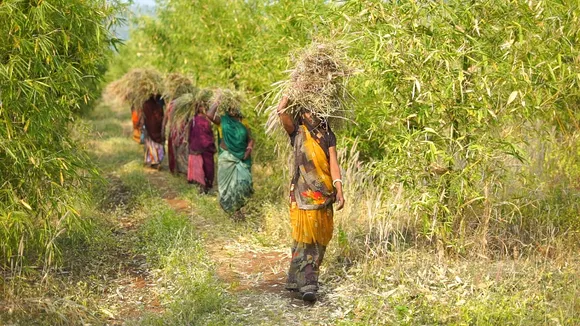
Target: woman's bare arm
[[285, 118], [212, 114], [250, 147], [335, 174]]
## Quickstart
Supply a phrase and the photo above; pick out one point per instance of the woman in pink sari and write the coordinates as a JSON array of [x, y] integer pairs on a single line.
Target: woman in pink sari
[[202, 148]]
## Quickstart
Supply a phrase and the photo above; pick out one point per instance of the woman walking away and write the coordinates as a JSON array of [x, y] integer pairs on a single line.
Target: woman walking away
[[200, 168], [316, 185], [177, 117], [234, 159], [137, 124], [177, 151], [154, 138]]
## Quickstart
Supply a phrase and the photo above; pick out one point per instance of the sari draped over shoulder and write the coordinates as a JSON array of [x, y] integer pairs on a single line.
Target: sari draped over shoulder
[[313, 184], [235, 135], [234, 173]]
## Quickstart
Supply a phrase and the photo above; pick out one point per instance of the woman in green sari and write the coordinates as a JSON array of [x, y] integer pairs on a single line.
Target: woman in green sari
[[234, 160]]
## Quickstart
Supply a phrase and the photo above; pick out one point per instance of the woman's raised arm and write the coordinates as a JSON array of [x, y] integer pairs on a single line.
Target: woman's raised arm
[[212, 114], [285, 118]]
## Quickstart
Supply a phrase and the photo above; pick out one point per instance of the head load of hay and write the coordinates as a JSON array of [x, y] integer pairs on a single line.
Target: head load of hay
[[136, 87], [228, 102], [187, 105], [317, 84], [204, 98], [175, 85], [183, 109]]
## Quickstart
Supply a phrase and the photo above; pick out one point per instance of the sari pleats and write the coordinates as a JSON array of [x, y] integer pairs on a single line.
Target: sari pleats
[[234, 182], [154, 152]]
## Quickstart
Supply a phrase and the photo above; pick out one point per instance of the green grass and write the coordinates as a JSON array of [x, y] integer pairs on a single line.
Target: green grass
[[70, 293], [191, 292]]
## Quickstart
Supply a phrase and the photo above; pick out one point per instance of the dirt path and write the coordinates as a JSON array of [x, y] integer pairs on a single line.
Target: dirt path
[[253, 273], [241, 264]]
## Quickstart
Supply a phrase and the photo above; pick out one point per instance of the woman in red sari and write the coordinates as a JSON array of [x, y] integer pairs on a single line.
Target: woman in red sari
[[154, 138]]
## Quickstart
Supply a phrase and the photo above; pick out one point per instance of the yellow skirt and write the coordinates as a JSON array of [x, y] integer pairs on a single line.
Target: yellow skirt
[[311, 226]]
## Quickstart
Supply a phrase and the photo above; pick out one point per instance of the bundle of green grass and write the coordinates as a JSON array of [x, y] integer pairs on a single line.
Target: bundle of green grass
[[136, 87], [317, 84], [183, 108], [228, 102], [204, 97], [176, 85]]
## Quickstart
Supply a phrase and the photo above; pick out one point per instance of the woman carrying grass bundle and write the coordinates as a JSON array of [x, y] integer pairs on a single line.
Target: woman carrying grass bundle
[[154, 138], [200, 168], [234, 160], [316, 185], [177, 142], [136, 88], [177, 119], [314, 94]]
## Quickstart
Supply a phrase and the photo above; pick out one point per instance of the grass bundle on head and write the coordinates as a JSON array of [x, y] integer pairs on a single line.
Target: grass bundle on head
[[183, 109], [136, 87], [228, 102], [316, 84], [175, 85], [204, 97]]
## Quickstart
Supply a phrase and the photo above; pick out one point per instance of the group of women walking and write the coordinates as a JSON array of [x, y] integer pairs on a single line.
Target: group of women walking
[[316, 178], [192, 147]]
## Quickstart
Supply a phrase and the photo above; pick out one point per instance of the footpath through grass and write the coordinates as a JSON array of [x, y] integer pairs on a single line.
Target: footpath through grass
[[156, 252]]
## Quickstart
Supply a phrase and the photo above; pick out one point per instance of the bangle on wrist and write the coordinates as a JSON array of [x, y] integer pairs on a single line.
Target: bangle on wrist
[[335, 181]]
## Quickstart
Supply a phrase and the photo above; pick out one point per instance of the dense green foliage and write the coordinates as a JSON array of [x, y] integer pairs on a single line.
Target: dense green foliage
[[471, 107], [51, 56]]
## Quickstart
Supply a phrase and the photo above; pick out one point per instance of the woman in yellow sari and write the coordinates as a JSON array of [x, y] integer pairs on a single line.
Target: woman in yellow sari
[[316, 186]]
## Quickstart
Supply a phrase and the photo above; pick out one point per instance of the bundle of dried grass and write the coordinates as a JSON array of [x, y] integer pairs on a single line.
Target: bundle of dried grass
[[317, 84], [175, 85], [136, 87], [228, 102]]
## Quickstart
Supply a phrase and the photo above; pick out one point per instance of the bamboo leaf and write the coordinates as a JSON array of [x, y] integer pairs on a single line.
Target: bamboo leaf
[[512, 97]]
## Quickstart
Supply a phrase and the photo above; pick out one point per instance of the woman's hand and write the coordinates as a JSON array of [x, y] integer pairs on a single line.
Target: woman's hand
[[339, 200], [250, 145]]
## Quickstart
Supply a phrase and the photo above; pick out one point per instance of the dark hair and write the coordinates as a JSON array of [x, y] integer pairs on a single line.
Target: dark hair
[[323, 124]]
